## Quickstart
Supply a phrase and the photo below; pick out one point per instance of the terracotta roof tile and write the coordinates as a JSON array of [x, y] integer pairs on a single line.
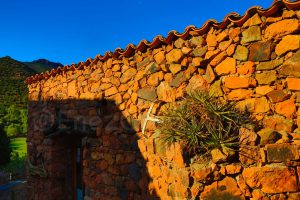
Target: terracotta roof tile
[[234, 18]]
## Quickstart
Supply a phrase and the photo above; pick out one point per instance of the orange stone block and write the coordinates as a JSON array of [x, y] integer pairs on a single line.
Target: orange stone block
[[159, 57], [276, 29], [153, 79], [230, 50], [216, 60], [224, 189], [263, 90], [271, 179], [211, 40], [255, 105], [293, 83], [246, 69], [288, 43], [228, 66], [234, 82], [233, 32], [111, 91], [233, 169], [286, 108], [239, 94], [72, 92], [174, 56]]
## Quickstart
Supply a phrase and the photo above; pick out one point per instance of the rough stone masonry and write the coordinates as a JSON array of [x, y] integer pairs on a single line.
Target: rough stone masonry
[[253, 60]]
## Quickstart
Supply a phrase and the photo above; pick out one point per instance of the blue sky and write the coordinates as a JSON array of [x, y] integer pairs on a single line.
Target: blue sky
[[69, 31]]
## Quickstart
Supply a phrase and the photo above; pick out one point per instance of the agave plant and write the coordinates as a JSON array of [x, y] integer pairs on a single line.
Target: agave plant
[[202, 122]]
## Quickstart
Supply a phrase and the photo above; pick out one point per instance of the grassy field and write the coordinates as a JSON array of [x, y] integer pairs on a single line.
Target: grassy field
[[19, 145], [16, 166]]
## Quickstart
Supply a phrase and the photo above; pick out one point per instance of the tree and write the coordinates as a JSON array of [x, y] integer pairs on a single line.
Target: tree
[[13, 114], [23, 119], [13, 130], [4, 147]]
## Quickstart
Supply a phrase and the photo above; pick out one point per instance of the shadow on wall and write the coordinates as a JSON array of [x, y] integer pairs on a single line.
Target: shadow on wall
[[83, 148]]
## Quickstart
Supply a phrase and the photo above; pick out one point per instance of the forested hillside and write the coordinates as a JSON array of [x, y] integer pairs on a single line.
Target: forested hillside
[[13, 96], [13, 92]]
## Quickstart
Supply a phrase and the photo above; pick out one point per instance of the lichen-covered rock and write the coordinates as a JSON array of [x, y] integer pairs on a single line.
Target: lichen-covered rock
[[152, 68], [218, 58], [253, 33], [266, 77], [271, 179], [269, 65], [196, 41], [276, 96], [260, 51], [210, 74], [278, 123], [291, 66], [215, 89], [282, 152], [199, 51], [180, 78], [294, 196], [147, 94], [241, 53]]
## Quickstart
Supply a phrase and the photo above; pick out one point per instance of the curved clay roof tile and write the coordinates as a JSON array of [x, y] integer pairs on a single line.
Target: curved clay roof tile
[[172, 35]]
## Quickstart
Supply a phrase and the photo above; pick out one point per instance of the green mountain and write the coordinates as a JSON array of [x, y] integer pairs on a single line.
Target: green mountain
[[13, 90], [13, 96], [42, 65]]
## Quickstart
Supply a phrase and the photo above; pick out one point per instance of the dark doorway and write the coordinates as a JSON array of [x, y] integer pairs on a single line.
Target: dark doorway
[[77, 167], [79, 187]]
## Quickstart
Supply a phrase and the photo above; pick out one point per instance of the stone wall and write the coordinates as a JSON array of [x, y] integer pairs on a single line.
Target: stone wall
[[255, 63]]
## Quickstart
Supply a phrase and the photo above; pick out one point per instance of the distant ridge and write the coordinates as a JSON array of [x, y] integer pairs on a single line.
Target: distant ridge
[[42, 65]]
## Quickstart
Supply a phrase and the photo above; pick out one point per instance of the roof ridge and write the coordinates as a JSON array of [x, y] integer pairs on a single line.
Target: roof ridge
[[157, 41]]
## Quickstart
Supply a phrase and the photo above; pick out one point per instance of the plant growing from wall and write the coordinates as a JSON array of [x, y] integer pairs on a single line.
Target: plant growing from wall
[[202, 122]]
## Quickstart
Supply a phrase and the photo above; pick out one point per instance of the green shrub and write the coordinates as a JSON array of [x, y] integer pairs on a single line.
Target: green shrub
[[202, 122], [13, 130]]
